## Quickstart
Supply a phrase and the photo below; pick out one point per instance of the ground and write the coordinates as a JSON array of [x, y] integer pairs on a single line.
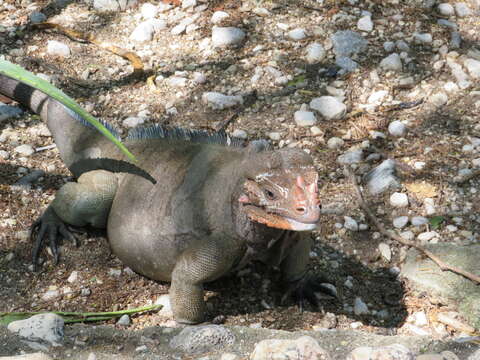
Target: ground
[[102, 82]]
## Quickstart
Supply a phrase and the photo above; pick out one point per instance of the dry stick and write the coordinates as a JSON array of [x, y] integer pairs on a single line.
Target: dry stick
[[394, 236]]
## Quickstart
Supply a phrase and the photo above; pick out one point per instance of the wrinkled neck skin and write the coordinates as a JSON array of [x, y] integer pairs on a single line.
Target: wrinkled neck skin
[[261, 242]]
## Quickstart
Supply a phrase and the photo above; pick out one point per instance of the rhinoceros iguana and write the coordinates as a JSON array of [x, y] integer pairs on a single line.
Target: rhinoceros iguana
[[216, 205]]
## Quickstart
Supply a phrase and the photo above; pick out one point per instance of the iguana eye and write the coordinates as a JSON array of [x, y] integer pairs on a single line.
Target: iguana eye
[[269, 194]]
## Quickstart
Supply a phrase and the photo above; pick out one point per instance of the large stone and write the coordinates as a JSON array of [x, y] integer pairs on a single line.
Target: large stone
[[347, 43], [329, 107], [197, 339], [226, 36], [303, 348], [450, 286], [47, 327]]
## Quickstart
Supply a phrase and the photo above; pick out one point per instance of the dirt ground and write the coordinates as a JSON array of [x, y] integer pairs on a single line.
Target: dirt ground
[[253, 296]]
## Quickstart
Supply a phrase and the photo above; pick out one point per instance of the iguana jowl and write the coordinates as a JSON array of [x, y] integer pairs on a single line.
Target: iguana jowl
[[216, 205]]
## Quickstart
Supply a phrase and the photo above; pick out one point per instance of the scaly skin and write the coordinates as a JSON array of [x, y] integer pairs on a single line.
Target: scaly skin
[[213, 209]]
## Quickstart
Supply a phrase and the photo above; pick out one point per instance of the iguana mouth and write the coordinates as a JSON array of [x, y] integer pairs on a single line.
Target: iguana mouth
[[276, 221]]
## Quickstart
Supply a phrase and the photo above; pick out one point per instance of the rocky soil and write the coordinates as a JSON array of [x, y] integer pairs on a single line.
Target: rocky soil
[[351, 82]]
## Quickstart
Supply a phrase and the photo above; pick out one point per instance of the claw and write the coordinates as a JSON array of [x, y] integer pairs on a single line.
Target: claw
[[306, 289], [49, 224]]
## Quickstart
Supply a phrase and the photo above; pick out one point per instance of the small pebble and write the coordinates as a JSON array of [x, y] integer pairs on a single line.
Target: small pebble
[[426, 236], [350, 223], [219, 16], [57, 48], [419, 220], [400, 222], [399, 200], [124, 320], [385, 251], [305, 118], [392, 62], [241, 134], [227, 36], [365, 23], [297, 34], [446, 9], [335, 143], [315, 53], [462, 9], [359, 307], [397, 128]]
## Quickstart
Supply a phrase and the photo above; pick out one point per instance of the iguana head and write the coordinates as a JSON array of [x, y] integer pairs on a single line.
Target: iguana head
[[281, 190]]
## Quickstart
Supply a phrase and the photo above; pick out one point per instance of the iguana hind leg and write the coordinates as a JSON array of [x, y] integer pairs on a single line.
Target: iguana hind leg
[[86, 202]]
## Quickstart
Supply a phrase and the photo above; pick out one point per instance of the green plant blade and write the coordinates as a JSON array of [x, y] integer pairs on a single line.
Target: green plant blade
[[74, 317], [18, 73]]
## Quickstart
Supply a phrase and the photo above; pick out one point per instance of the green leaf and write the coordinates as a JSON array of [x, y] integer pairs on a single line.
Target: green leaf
[[73, 317], [296, 80], [18, 73], [436, 221]]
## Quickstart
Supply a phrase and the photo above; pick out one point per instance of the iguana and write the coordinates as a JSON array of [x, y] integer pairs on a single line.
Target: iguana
[[217, 205]]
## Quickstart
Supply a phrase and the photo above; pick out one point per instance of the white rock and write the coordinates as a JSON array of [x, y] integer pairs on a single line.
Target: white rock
[[335, 143], [133, 121], [329, 107], [429, 205], [351, 157], [58, 48], [124, 320], [188, 3], [420, 318], [25, 150], [439, 99], [241, 134], [419, 221], [226, 36], [389, 46], [143, 32], [462, 9], [392, 62], [397, 128], [473, 67], [47, 327], [451, 228], [113, 5], [419, 165], [177, 81], [385, 251], [73, 277], [359, 307], [315, 53], [446, 9], [275, 136], [305, 118], [297, 34], [377, 97], [468, 148], [365, 23], [50, 295], [450, 86], [4, 154], [350, 223], [219, 16], [399, 200], [423, 38], [178, 29], [426, 236], [219, 101], [400, 222], [316, 131], [166, 309], [199, 78], [148, 11], [407, 235]]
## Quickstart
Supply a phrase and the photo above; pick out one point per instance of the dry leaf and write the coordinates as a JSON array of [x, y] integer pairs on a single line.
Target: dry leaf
[[422, 189]]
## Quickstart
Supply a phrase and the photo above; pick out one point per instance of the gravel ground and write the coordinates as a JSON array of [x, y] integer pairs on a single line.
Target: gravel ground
[[440, 143]]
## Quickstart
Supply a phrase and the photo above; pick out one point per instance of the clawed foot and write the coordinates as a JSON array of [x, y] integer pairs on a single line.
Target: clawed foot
[[305, 289], [51, 226]]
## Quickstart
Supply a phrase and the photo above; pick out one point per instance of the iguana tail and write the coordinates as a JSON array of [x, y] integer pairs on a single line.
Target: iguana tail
[[81, 146]]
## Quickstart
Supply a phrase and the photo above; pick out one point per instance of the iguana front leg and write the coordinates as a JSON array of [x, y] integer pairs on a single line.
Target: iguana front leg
[[86, 202], [205, 262], [294, 268]]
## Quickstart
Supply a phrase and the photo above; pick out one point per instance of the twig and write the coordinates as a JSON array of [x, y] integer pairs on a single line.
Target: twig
[[394, 236]]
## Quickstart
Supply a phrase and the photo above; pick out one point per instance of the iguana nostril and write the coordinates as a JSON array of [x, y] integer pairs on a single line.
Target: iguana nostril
[[301, 210]]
